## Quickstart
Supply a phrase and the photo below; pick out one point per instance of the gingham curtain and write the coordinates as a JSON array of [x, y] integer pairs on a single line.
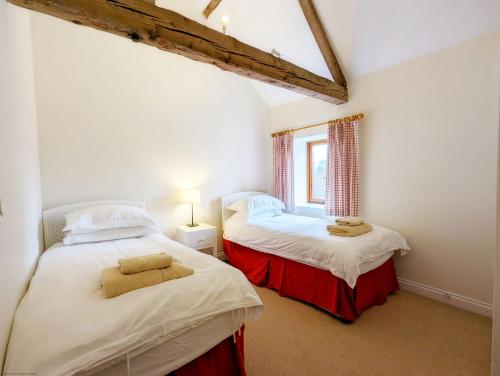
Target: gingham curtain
[[342, 178], [283, 183]]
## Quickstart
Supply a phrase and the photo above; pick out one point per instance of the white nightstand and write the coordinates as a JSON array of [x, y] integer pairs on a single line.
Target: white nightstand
[[203, 238]]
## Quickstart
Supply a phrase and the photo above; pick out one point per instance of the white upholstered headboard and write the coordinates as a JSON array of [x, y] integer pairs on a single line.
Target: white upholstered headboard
[[54, 220], [232, 198]]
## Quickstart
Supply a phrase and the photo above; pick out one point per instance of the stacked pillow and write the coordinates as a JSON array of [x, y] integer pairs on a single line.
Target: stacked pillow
[[257, 206], [107, 222]]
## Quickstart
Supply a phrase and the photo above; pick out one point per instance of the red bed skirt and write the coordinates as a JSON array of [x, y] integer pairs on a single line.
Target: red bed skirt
[[313, 285], [225, 359]]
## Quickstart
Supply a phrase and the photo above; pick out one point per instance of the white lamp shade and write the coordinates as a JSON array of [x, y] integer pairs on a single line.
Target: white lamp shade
[[191, 196]]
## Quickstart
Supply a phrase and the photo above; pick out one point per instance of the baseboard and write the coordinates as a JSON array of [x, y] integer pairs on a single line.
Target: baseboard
[[450, 298]]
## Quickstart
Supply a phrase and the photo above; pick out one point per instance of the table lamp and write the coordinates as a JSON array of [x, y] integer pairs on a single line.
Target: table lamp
[[191, 196]]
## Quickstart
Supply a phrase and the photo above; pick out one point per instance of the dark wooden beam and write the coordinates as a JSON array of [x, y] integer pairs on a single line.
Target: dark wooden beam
[[322, 40], [210, 7], [170, 31]]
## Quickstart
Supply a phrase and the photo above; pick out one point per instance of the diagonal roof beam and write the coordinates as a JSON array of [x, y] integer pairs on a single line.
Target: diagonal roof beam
[[210, 7], [322, 40], [172, 32]]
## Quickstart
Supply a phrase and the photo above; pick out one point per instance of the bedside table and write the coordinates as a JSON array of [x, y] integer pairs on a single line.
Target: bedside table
[[202, 238]]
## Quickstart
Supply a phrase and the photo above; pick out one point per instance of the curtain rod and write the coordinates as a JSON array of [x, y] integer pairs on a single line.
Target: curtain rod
[[335, 121]]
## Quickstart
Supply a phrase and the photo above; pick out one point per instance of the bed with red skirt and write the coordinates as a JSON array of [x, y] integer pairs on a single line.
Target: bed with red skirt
[[189, 326], [312, 285], [296, 256]]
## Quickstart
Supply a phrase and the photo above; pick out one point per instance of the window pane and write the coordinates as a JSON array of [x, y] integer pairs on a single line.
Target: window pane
[[318, 171]]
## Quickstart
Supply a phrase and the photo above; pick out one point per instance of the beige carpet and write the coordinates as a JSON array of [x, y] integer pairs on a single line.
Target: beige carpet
[[409, 335]]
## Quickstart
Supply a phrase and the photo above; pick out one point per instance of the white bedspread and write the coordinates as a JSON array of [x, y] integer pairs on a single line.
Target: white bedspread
[[65, 325], [306, 240]]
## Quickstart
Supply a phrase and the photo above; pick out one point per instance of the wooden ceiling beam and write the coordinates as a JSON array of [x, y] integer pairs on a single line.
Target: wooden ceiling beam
[[322, 40], [172, 32], [210, 7]]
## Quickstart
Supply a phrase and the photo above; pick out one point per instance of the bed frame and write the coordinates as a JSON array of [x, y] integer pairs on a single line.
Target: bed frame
[[227, 356], [307, 283], [54, 220], [231, 199]]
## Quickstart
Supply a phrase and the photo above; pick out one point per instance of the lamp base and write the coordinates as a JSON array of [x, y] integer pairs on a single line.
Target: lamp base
[[192, 224]]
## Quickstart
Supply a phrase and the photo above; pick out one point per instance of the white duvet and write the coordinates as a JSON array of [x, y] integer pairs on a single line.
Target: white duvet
[[65, 325], [306, 240]]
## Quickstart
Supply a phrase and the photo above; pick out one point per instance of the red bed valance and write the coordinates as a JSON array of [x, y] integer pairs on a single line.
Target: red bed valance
[[312, 285]]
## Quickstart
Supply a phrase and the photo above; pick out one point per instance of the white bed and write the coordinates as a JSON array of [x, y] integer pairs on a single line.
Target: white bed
[[64, 325], [305, 240]]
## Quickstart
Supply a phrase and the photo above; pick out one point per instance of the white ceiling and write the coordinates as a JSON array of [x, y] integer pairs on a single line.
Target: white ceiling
[[367, 35]]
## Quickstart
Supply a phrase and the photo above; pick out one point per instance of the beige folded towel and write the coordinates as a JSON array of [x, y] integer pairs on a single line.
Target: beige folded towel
[[143, 263], [348, 231], [349, 221], [115, 283]]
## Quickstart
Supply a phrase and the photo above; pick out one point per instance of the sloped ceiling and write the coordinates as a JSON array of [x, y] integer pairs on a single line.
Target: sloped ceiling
[[367, 35]]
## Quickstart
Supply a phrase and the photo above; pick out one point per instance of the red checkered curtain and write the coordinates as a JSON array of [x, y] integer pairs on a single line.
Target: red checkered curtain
[[342, 177], [283, 183]]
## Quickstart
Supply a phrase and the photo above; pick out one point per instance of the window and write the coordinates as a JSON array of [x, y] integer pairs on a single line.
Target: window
[[316, 171], [302, 158]]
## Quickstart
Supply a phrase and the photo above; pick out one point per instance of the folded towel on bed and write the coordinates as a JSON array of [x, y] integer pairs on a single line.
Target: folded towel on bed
[[115, 283], [349, 221], [349, 230], [143, 263]]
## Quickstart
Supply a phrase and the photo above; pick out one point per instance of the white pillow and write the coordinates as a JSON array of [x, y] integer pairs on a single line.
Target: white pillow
[[267, 213], [104, 217], [258, 205], [243, 216], [107, 234]]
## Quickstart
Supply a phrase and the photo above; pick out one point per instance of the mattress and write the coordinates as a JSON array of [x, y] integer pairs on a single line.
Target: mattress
[[64, 325], [173, 354], [306, 240]]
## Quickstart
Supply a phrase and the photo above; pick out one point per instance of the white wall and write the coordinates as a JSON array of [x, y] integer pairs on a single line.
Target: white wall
[[428, 160], [495, 351], [19, 168], [128, 121]]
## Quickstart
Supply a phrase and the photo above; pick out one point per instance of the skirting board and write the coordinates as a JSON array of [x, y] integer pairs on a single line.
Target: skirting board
[[450, 298]]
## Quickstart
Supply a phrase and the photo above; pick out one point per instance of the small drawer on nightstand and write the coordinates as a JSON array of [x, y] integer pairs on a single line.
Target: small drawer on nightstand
[[202, 238]]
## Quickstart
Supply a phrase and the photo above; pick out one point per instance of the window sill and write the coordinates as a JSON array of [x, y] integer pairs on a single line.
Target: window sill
[[311, 205], [310, 210]]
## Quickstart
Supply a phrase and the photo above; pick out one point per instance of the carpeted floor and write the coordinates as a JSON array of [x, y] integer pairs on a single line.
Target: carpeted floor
[[409, 335]]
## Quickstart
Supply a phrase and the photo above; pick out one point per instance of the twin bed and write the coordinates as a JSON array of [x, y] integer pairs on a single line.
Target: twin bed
[[296, 256], [191, 326], [65, 326]]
